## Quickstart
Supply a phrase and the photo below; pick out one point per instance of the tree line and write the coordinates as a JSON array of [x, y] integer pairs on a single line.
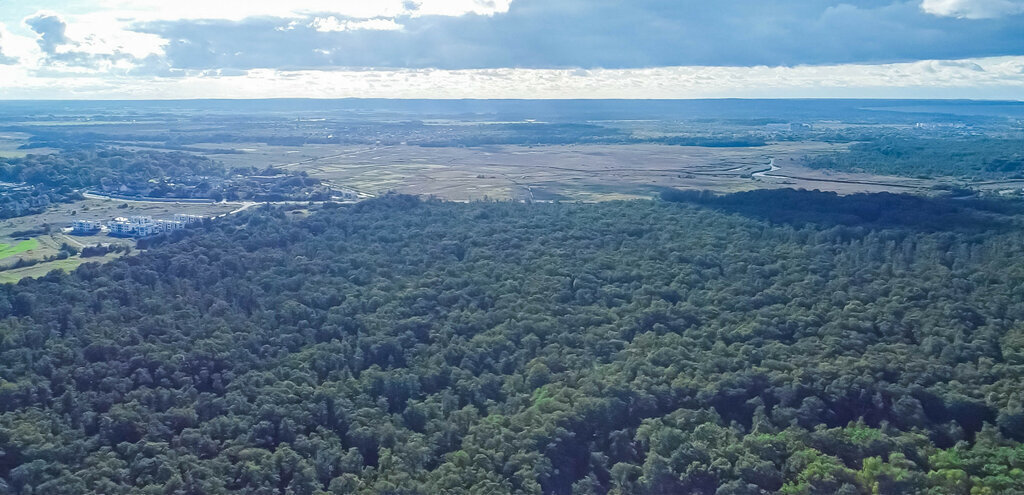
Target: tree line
[[965, 156]]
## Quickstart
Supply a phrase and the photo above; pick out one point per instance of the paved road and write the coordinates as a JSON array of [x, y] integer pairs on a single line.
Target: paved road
[[92, 195]]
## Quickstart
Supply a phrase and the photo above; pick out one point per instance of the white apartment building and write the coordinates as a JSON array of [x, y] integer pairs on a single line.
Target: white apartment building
[[85, 226], [124, 226], [138, 226], [168, 225], [188, 219]]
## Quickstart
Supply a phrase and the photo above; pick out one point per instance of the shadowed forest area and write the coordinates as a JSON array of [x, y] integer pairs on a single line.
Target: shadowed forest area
[[981, 157], [646, 347], [875, 211]]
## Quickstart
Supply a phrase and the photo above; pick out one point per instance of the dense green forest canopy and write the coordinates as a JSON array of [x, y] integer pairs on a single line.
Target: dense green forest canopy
[[90, 168], [966, 156], [410, 347], [875, 210]]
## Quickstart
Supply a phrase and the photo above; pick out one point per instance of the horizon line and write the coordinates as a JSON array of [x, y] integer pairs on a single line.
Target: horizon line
[[356, 98]]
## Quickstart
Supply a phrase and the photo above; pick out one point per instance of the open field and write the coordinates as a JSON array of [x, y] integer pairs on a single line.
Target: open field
[[21, 247], [566, 172], [11, 141], [13, 276], [788, 171], [543, 150]]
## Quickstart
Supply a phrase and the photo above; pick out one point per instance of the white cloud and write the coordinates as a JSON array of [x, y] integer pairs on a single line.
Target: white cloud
[[460, 7], [973, 9], [992, 78], [236, 10], [91, 44], [105, 37], [333, 24], [14, 48]]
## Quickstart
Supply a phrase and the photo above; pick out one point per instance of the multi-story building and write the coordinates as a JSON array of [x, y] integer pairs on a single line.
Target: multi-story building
[[168, 225], [188, 219], [86, 226], [122, 226], [144, 226]]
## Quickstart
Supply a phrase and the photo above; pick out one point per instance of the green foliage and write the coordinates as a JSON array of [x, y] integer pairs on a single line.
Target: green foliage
[[967, 156], [41, 179], [7, 250], [400, 346], [80, 169]]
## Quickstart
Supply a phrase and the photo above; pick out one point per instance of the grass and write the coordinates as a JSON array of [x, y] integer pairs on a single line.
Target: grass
[[7, 250], [13, 276], [67, 265]]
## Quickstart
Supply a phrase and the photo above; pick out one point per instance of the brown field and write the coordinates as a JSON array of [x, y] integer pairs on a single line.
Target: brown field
[[567, 172]]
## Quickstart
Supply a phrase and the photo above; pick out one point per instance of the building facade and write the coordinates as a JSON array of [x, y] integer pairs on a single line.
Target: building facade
[[86, 226]]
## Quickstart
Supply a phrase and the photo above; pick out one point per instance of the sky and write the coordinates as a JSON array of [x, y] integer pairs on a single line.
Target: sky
[[169, 49]]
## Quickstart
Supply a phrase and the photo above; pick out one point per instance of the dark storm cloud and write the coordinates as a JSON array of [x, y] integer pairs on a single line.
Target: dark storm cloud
[[605, 33]]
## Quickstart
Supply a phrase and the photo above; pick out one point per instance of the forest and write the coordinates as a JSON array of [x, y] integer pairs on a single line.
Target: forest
[[976, 157], [95, 168], [408, 346], [955, 210]]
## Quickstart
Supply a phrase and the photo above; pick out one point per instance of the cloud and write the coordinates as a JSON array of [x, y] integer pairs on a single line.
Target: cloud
[[4, 58], [333, 24], [453, 44], [973, 9], [94, 44], [980, 78], [149, 10], [998, 77], [52, 31], [595, 34]]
